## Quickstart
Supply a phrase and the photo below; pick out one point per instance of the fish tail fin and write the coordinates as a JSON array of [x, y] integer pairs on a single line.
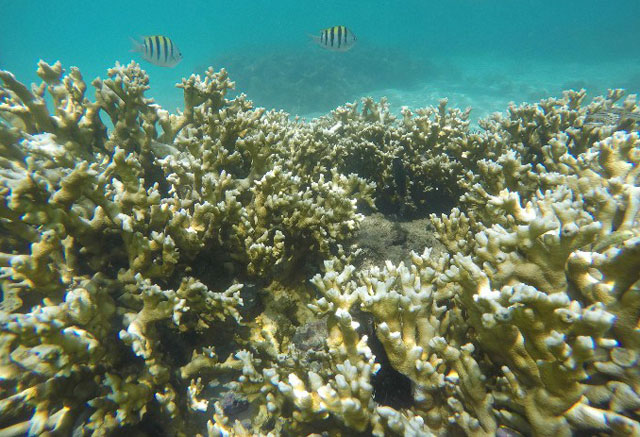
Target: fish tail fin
[[136, 45], [314, 38]]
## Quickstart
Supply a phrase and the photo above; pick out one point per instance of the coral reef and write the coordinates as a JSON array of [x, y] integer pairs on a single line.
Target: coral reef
[[115, 240], [195, 273], [415, 162]]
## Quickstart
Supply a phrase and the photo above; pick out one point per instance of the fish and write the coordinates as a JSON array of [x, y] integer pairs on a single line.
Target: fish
[[612, 116], [336, 38], [158, 49]]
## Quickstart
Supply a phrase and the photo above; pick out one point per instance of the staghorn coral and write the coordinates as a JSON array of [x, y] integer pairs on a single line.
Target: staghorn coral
[[133, 229], [167, 270], [537, 137], [415, 162], [522, 326]]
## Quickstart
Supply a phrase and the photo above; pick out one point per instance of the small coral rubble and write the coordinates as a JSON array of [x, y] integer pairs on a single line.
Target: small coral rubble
[[126, 254]]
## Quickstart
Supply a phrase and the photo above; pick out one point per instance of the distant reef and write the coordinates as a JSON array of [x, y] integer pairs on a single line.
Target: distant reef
[[316, 81], [231, 271]]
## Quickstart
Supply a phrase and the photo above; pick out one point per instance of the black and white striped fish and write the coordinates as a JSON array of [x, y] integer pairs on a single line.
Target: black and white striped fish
[[158, 50], [336, 38]]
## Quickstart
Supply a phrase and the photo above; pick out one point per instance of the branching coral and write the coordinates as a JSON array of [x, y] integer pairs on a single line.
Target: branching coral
[[134, 228], [530, 322], [415, 162], [157, 271]]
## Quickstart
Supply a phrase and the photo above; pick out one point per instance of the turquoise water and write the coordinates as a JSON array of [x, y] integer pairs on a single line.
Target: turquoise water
[[479, 53]]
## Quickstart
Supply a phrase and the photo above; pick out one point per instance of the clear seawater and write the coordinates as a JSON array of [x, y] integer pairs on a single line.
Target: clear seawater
[[478, 53]]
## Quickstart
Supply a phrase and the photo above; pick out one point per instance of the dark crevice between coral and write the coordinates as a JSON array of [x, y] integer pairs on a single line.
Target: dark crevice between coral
[[176, 346], [390, 387], [304, 264], [421, 205], [110, 259], [399, 176], [154, 174], [119, 355], [440, 201], [324, 428], [213, 267], [233, 404], [617, 220], [176, 349], [364, 208], [84, 389], [11, 243], [252, 303], [269, 425], [153, 424], [24, 415], [31, 299]]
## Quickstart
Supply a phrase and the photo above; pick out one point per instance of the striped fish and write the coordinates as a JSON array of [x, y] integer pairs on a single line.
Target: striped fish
[[336, 38], [613, 116], [158, 50]]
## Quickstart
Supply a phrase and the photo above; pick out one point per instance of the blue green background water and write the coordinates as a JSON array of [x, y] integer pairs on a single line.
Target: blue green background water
[[479, 53]]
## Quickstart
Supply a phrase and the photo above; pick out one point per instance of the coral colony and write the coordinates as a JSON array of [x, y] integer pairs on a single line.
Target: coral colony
[[195, 273]]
